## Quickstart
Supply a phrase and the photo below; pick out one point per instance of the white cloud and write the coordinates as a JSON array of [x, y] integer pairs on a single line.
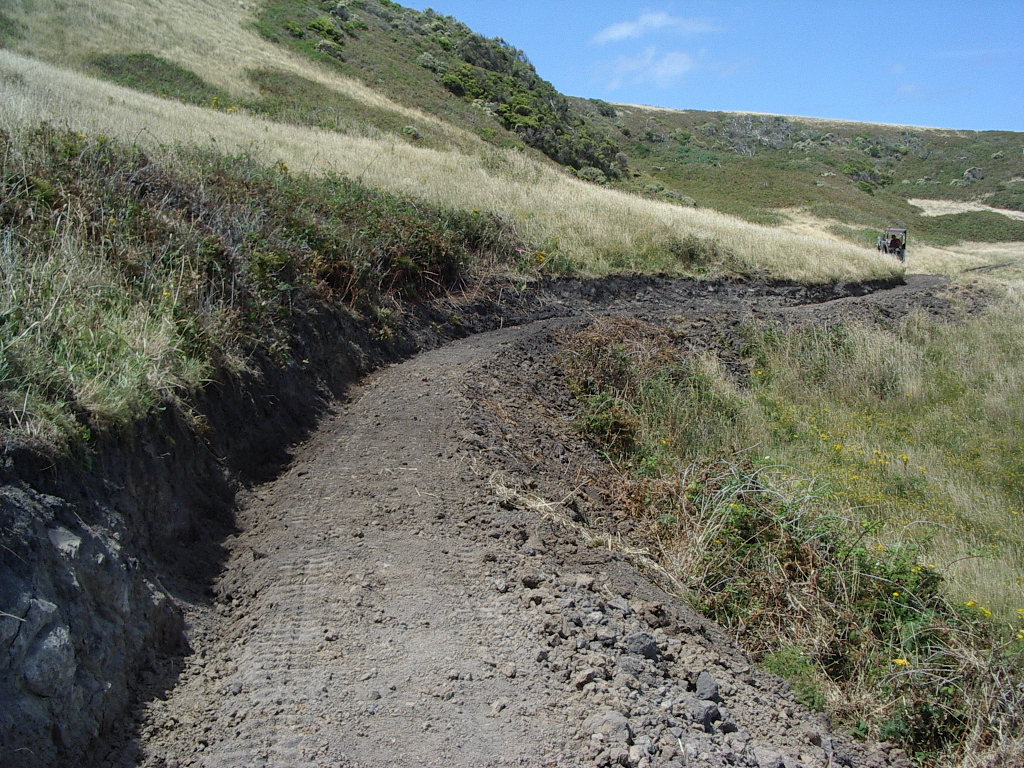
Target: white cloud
[[662, 69], [918, 93], [652, 22]]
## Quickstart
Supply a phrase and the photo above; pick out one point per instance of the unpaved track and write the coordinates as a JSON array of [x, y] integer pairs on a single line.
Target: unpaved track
[[382, 607], [373, 640]]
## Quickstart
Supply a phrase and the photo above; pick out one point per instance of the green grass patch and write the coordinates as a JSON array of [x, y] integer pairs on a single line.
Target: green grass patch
[[793, 664], [971, 226], [158, 76], [11, 30], [858, 235], [1010, 198], [290, 98]]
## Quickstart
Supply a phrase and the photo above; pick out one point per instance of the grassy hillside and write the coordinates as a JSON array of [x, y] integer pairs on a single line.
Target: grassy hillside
[[858, 173], [567, 224], [434, 83]]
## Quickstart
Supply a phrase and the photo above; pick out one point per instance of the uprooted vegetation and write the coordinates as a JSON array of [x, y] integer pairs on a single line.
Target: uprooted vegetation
[[825, 544], [131, 279]]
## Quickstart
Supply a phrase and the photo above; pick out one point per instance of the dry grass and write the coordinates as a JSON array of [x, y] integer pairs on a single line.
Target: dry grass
[[213, 38], [81, 337], [946, 207], [914, 431], [917, 430], [921, 259], [570, 222], [880, 463]]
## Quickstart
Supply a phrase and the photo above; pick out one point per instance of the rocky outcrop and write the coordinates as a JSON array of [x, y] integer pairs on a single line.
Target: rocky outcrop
[[75, 626]]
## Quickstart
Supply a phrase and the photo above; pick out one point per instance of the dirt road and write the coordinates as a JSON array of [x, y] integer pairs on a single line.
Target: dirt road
[[407, 593]]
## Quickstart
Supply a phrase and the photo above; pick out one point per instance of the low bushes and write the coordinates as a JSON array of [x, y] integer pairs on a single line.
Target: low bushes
[[832, 594], [130, 279]]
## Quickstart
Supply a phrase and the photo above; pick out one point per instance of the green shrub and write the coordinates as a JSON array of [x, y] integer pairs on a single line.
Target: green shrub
[[326, 28], [605, 109], [354, 26], [1011, 199], [694, 250], [454, 84], [593, 175], [427, 61], [496, 73], [793, 665]]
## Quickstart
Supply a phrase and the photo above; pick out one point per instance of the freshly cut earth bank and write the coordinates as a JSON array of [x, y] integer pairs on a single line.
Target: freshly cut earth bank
[[388, 600]]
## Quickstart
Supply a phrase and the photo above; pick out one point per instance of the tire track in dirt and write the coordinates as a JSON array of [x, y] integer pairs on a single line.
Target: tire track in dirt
[[368, 611]]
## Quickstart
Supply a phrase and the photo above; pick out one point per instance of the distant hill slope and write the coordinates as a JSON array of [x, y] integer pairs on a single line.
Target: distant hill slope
[[429, 80]]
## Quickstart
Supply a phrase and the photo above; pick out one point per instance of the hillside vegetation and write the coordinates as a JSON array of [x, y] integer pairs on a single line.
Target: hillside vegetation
[[177, 180], [434, 83], [867, 533]]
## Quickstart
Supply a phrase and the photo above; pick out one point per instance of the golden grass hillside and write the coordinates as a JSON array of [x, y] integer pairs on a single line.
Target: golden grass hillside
[[217, 40], [925, 259], [213, 38], [591, 228]]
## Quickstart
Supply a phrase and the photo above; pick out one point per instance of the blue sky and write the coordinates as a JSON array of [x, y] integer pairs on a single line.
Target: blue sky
[[939, 63]]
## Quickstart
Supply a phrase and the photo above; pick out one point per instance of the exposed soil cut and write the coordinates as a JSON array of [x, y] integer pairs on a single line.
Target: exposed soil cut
[[411, 590]]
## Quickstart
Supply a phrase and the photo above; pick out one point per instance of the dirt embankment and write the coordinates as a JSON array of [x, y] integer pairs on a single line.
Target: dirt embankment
[[386, 600]]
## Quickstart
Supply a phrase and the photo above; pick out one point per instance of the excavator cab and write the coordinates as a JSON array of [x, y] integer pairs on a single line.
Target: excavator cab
[[894, 241]]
